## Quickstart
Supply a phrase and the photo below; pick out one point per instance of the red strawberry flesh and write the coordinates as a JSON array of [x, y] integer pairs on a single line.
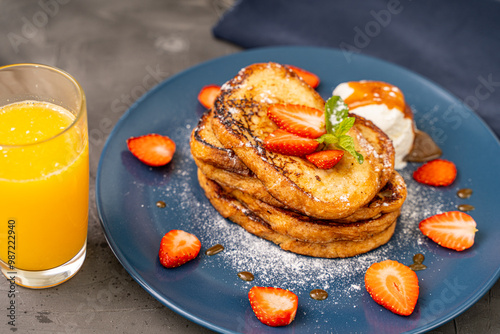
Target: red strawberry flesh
[[454, 229], [208, 95], [298, 119], [152, 149], [310, 78], [325, 159], [436, 172], [286, 143], [273, 306], [178, 247], [393, 285]]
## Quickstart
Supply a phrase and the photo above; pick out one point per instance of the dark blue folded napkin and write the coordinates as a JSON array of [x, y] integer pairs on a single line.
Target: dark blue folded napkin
[[455, 43]]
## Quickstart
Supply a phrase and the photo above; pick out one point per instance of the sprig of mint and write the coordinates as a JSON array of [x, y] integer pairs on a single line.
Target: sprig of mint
[[337, 124]]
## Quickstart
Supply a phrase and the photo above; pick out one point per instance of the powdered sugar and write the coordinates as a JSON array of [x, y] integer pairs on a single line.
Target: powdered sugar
[[267, 97], [343, 279]]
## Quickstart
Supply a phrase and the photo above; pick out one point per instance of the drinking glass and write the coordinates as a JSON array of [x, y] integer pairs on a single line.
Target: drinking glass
[[44, 175]]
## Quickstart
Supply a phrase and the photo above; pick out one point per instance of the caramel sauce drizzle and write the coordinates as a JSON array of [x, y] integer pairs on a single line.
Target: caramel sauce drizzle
[[375, 92], [214, 250]]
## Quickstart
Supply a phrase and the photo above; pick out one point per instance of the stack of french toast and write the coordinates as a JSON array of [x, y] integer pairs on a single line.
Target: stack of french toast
[[343, 211]]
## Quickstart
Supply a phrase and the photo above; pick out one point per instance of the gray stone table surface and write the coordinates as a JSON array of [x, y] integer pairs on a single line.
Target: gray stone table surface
[[110, 46]]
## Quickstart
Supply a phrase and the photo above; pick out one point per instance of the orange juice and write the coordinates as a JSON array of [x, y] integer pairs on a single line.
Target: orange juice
[[44, 178]]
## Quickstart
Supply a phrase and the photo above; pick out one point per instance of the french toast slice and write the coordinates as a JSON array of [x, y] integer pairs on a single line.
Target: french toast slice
[[390, 198], [248, 184], [233, 210], [224, 167], [309, 229], [241, 124], [206, 148]]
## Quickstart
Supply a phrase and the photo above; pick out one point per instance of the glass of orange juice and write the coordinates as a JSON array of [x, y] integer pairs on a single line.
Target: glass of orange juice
[[44, 175]]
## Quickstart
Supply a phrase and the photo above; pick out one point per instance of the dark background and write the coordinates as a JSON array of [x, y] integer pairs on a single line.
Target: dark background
[[455, 43]]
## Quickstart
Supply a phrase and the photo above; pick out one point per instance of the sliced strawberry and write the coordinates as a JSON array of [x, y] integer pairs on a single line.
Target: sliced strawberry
[[453, 229], [310, 78], [325, 159], [287, 143], [178, 247], [437, 172], [273, 306], [208, 95], [152, 149], [393, 285], [297, 119]]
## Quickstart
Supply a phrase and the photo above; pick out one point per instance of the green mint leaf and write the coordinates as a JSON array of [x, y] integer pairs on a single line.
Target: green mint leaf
[[346, 143], [359, 157], [329, 106], [335, 112], [344, 126], [328, 139], [337, 125]]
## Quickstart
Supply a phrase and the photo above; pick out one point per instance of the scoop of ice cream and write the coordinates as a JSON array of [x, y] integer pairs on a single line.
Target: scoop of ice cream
[[384, 105]]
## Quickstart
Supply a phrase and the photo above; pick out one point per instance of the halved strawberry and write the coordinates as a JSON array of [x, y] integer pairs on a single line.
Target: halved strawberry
[[453, 229], [393, 285], [178, 247], [325, 159], [208, 95], [310, 78], [273, 306], [298, 119], [152, 149], [287, 143], [436, 172]]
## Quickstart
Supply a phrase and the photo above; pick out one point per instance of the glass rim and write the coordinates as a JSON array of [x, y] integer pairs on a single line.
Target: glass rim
[[67, 76]]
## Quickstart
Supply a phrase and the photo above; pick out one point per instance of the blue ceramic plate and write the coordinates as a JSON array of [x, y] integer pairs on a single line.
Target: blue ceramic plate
[[208, 291]]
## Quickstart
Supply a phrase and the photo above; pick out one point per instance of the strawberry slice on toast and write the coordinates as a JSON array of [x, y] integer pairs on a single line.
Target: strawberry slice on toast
[[298, 119], [287, 143], [325, 159], [310, 78]]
